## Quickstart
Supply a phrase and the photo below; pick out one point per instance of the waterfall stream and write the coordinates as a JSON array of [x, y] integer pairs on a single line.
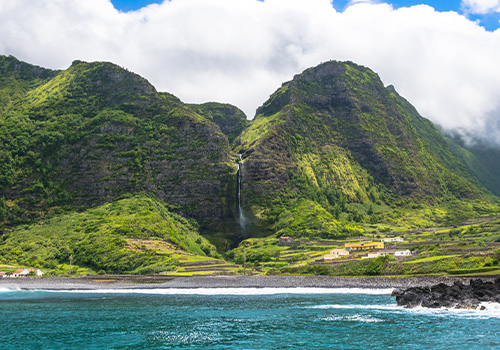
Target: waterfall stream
[[240, 209]]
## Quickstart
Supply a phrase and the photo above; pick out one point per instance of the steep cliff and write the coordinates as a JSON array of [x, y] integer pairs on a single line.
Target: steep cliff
[[335, 135], [94, 132]]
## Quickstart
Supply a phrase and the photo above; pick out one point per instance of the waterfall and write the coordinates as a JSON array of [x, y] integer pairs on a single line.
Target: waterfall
[[240, 209]]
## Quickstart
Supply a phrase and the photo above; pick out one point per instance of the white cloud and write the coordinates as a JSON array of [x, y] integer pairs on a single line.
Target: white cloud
[[481, 6], [240, 51]]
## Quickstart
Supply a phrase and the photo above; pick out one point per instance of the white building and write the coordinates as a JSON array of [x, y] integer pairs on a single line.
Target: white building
[[26, 272], [393, 252], [405, 252], [392, 239]]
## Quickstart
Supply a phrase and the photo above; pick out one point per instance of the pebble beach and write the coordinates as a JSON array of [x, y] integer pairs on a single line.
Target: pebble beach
[[121, 282]]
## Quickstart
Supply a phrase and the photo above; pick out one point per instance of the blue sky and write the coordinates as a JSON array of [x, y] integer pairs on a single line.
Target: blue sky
[[489, 21]]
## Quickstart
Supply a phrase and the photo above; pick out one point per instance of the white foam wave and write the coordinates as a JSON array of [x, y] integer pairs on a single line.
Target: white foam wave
[[10, 289], [232, 291], [366, 307], [484, 311], [352, 318]]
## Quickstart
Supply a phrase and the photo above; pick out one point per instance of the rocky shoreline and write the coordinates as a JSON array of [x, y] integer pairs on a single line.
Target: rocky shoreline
[[458, 295], [131, 282]]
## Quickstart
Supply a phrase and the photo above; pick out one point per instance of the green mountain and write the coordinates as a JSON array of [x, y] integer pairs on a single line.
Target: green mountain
[[94, 132], [16, 78], [481, 158], [95, 161], [231, 120], [337, 137]]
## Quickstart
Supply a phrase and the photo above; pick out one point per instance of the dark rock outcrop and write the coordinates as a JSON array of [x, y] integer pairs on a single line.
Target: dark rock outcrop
[[458, 295]]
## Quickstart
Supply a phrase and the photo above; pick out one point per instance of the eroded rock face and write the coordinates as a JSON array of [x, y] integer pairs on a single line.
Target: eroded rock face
[[458, 295], [337, 126], [112, 135]]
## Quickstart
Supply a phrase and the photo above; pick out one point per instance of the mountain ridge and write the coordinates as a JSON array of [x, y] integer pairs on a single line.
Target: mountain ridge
[[335, 118], [95, 131], [330, 152]]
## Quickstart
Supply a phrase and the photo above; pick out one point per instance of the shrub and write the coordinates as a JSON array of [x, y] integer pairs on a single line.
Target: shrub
[[468, 271]]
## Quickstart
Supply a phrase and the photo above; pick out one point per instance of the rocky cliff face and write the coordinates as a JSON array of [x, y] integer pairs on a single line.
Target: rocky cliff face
[[347, 105], [336, 126], [95, 132], [231, 120]]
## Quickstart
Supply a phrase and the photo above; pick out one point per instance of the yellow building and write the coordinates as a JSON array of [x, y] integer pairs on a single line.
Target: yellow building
[[363, 246]]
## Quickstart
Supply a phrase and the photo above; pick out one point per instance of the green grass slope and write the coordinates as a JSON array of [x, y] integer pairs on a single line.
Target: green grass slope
[[113, 237], [17, 78]]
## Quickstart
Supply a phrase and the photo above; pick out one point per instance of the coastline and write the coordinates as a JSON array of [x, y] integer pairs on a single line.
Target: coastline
[[119, 282]]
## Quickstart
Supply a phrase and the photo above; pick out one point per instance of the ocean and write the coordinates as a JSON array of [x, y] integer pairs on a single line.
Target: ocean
[[249, 318]]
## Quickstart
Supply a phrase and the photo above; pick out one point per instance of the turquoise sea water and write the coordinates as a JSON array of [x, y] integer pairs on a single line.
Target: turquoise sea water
[[236, 319]]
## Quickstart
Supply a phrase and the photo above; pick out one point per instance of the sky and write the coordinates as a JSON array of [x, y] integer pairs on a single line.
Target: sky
[[442, 56]]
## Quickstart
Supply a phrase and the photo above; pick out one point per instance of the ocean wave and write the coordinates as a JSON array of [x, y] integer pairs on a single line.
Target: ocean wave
[[231, 291], [366, 307], [351, 318], [484, 311]]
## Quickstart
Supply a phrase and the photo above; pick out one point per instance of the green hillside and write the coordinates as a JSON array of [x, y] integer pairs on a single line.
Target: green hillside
[[231, 120], [112, 237], [17, 77], [97, 165], [483, 159], [336, 136], [93, 132]]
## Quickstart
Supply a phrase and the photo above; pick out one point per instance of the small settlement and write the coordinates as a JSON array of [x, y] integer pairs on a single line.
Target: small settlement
[[372, 249], [21, 273]]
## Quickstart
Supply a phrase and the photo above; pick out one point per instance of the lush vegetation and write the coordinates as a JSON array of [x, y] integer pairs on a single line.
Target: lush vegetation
[[100, 171], [231, 120], [469, 249], [308, 219], [113, 238], [335, 136], [93, 132]]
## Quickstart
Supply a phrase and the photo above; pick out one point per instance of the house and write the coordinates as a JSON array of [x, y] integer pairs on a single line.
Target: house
[[286, 240], [405, 252], [335, 253], [364, 246], [393, 252], [18, 273], [3, 274], [392, 239], [26, 272]]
